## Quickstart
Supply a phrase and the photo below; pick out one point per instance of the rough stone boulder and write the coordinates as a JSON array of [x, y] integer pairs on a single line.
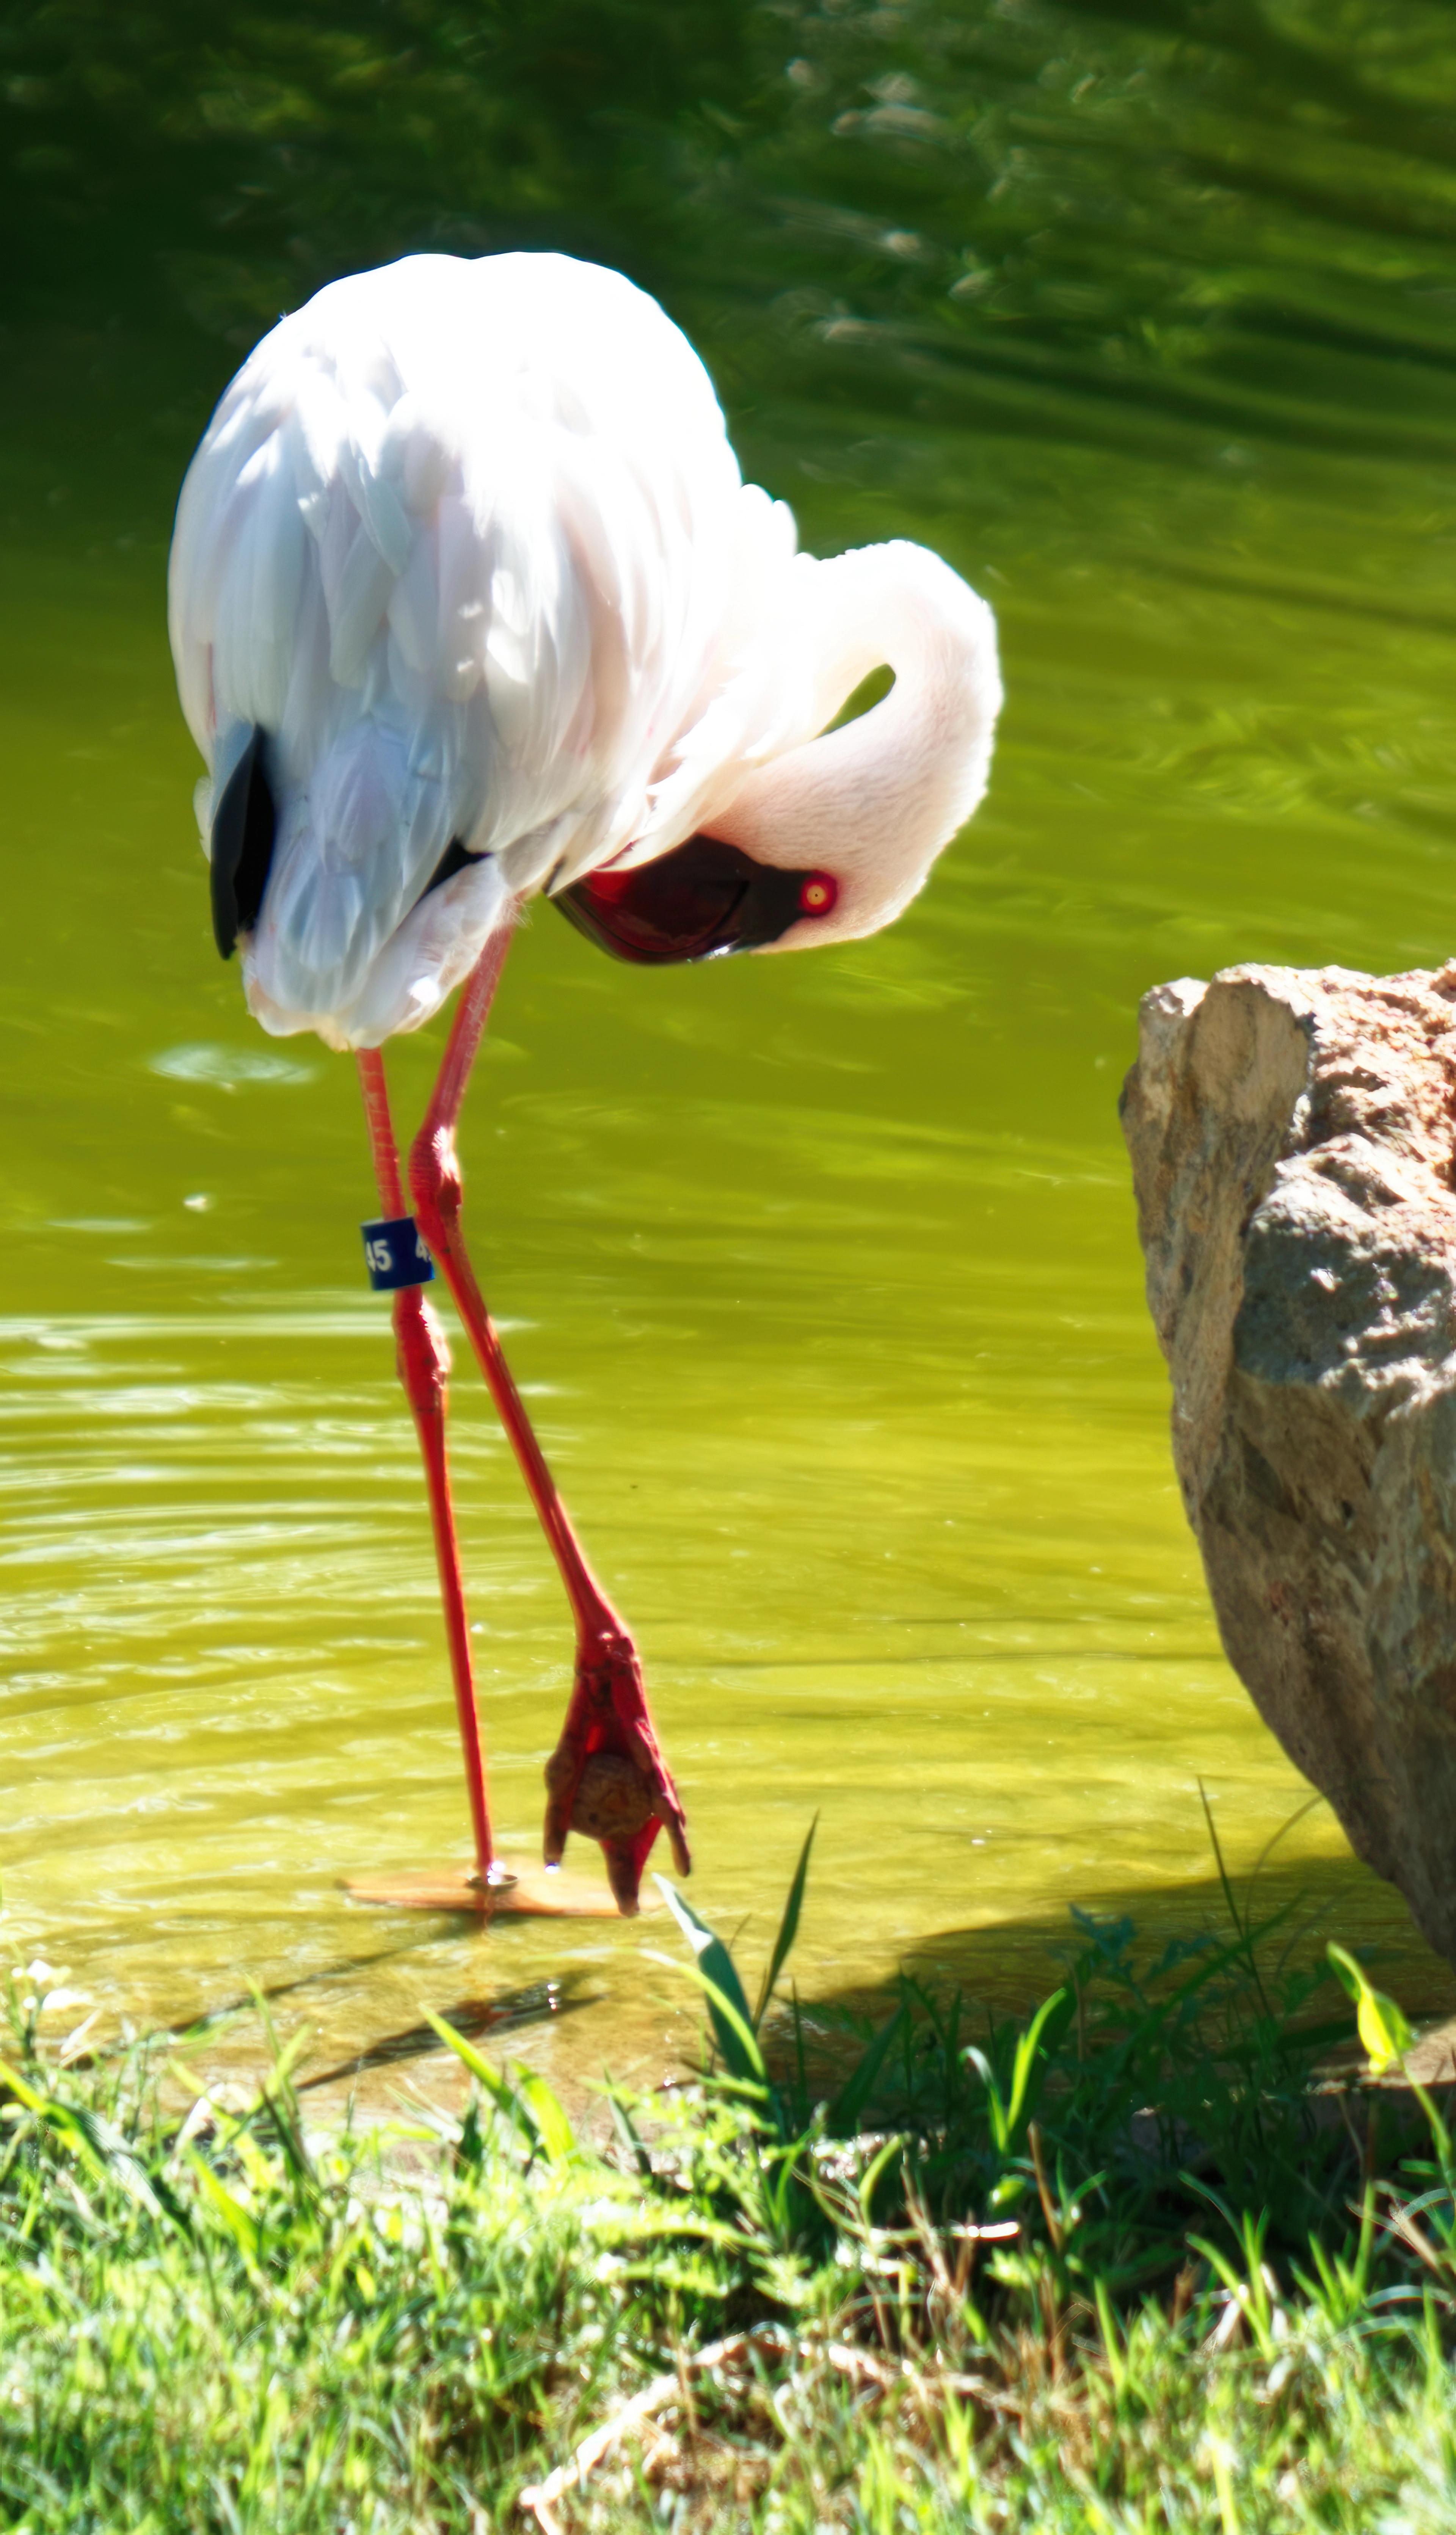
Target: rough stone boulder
[[1293, 1154]]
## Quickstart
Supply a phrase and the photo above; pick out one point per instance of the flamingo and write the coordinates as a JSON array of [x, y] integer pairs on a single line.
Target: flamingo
[[469, 603]]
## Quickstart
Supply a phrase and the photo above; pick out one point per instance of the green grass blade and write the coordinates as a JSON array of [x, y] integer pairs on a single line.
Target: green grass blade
[[92, 2142], [801, 2068], [737, 2043], [884, 2157], [1230, 1898], [1027, 2047], [854, 2094], [629, 2137], [1240, 1921], [552, 2120], [240, 2223], [997, 2111], [788, 1927], [506, 2099], [733, 2025]]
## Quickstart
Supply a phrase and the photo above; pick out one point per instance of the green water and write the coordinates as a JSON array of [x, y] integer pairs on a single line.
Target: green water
[[820, 1274]]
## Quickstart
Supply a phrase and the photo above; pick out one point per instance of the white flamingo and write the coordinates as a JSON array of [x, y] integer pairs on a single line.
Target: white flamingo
[[470, 602]]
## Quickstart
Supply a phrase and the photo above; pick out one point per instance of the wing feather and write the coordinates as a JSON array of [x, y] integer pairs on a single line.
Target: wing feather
[[356, 607]]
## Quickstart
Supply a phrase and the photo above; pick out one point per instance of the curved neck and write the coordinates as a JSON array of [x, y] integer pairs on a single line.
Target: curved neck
[[873, 802]]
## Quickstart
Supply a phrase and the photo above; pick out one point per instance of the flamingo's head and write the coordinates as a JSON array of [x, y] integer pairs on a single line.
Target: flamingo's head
[[699, 901]]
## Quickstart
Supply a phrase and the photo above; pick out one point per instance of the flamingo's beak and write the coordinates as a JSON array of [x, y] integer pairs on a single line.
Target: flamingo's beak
[[700, 902]]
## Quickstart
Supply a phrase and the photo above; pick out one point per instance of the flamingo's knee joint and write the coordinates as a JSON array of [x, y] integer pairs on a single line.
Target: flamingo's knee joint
[[435, 1183]]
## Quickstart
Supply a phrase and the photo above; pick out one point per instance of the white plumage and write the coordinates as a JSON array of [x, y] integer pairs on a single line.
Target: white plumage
[[468, 541]]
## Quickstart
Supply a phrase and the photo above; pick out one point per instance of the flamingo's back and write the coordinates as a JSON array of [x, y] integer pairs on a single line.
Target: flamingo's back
[[468, 544]]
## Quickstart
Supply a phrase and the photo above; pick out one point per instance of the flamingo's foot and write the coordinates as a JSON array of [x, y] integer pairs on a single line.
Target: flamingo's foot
[[606, 1776]]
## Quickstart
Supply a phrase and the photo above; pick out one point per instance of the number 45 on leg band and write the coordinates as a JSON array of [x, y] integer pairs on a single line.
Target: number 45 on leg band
[[395, 1255]]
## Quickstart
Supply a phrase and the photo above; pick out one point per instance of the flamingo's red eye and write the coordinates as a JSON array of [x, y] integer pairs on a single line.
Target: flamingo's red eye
[[818, 893]]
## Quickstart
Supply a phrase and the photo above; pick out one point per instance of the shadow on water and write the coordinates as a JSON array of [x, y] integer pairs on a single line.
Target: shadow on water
[[1009, 1968], [474, 2017], [1001, 1970], [509, 2010]]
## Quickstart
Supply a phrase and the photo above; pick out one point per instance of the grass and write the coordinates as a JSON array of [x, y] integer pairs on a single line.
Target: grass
[[1125, 2268]]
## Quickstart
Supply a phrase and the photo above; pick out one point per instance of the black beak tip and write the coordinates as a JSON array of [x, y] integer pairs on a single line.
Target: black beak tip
[[245, 832]]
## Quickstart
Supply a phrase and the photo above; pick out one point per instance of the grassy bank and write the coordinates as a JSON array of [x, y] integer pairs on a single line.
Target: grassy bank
[[1123, 2269]]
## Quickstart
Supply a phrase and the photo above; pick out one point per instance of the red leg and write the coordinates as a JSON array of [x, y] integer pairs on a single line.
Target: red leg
[[606, 1775], [424, 1363]]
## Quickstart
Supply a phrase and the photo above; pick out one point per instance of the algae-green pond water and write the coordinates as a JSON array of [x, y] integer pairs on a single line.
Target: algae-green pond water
[[820, 1274]]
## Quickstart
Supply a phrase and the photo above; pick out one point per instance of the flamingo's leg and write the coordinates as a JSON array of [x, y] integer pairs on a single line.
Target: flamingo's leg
[[606, 1775], [424, 1360]]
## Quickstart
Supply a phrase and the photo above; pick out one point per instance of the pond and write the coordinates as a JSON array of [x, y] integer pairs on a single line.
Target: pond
[[820, 1274]]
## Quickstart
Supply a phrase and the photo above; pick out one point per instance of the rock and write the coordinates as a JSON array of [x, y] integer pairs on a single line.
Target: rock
[[1293, 1155]]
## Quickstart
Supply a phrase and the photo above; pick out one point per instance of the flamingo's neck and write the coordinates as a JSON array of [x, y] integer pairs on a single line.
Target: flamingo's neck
[[873, 803]]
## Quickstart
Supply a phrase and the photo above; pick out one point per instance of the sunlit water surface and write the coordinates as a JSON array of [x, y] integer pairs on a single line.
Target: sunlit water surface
[[820, 1274]]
